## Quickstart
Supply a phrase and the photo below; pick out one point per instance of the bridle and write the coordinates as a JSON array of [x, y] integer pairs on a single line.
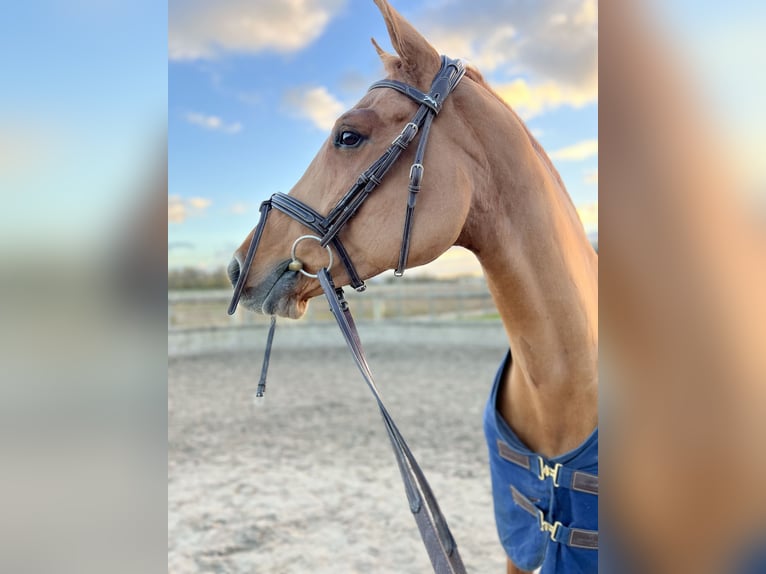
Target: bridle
[[327, 228], [436, 535]]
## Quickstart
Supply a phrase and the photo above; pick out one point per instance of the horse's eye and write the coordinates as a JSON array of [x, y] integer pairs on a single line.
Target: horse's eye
[[349, 139]]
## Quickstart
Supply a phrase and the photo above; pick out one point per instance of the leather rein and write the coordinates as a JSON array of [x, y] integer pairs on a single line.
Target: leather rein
[[437, 538]]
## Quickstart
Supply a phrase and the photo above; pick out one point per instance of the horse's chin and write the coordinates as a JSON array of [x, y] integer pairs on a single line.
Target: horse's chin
[[290, 307], [276, 295]]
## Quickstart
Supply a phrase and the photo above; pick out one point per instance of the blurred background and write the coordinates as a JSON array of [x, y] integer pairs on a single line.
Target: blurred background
[[111, 109], [83, 133]]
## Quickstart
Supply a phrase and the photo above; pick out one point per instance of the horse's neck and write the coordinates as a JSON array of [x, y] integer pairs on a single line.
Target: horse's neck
[[543, 275]]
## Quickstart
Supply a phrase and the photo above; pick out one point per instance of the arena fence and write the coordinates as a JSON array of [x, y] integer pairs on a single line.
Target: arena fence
[[197, 320]]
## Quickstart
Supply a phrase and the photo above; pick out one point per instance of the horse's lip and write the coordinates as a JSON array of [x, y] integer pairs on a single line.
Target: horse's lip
[[270, 291], [314, 292], [255, 298], [276, 302]]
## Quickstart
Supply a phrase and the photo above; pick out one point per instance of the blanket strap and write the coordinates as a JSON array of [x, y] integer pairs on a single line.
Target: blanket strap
[[574, 537], [562, 476]]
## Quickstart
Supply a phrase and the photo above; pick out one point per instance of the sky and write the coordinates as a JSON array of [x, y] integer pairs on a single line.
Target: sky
[[254, 87]]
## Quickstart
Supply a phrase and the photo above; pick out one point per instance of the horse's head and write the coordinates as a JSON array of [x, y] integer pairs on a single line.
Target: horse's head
[[373, 237]]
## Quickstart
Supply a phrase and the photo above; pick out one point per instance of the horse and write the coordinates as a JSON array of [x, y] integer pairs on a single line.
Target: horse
[[487, 185]]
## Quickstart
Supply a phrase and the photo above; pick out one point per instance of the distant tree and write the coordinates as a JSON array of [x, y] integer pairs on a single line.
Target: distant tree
[[193, 278]]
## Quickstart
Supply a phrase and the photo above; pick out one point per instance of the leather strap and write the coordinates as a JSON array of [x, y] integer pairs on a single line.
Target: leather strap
[[563, 477], [448, 77], [266, 357], [328, 228], [240, 286], [409, 91], [436, 535], [575, 537], [317, 223], [416, 178], [370, 179]]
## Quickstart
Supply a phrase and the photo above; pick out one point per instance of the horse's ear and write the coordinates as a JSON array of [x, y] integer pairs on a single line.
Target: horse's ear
[[390, 62], [417, 55]]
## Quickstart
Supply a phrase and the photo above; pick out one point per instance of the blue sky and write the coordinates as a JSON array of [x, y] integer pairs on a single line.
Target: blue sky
[[254, 86]]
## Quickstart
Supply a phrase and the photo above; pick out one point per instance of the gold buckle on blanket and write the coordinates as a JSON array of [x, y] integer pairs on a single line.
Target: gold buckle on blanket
[[548, 527], [546, 471]]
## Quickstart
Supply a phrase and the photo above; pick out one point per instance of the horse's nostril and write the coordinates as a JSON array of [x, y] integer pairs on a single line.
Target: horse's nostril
[[233, 271]]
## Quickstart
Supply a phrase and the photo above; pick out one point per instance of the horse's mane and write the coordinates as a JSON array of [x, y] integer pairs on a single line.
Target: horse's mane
[[475, 75]]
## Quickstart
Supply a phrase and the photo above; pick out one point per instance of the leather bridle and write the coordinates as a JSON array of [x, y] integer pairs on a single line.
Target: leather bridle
[[437, 538], [328, 227]]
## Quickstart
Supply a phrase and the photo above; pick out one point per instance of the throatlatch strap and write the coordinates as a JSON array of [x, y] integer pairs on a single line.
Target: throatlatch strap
[[416, 179], [436, 535]]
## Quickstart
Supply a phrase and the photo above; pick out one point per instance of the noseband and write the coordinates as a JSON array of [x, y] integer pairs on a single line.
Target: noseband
[[437, 538], [328, 227]]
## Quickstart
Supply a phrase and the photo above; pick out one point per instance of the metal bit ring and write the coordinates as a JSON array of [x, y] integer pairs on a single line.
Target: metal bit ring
[[294, 258]]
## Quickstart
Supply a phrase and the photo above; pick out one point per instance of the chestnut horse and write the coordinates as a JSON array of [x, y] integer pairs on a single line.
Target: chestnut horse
[[488, 187]]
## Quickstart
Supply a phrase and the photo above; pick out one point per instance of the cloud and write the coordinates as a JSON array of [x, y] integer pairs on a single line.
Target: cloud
[[481, 39], [199, 203], [552, 43], [577, 152], [180, 209], [588, 213], [591, 176], [201, 29], [533, 100], [315, 104], [213, 123]]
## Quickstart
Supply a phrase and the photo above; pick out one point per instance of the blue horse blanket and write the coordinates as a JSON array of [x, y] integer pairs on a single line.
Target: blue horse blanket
[[546, 510]]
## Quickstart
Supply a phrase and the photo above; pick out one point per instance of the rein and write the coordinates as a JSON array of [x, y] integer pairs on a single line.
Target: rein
[[434, 531]]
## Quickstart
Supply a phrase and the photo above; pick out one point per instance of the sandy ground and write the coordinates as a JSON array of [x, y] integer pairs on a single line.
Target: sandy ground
[[307, 482]]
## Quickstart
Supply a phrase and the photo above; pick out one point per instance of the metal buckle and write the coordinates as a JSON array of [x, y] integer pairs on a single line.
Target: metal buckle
[[294, 258], [430, 101], [546, 471], [552, 529], [403, 140], [417, 166], [415, 127]]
